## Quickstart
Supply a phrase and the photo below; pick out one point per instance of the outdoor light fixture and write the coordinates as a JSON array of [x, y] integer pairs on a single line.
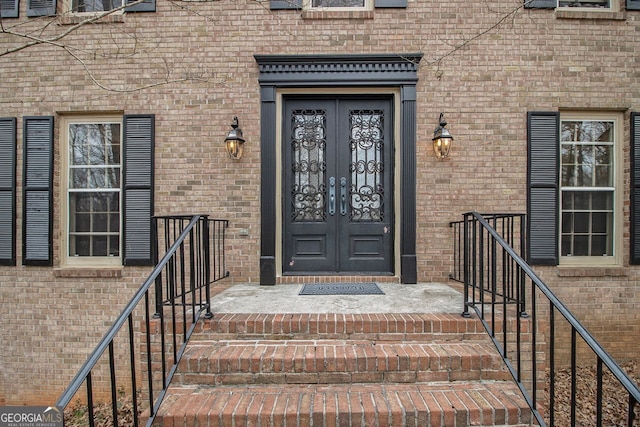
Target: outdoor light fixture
[[442, 139], [234, 141]]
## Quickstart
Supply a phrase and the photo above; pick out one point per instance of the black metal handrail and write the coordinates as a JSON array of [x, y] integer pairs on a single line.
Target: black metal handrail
[[496, 280], [185, 271]]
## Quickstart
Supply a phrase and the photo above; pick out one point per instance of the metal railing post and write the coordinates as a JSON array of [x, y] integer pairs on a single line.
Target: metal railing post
[[207, 266], [465, 312]]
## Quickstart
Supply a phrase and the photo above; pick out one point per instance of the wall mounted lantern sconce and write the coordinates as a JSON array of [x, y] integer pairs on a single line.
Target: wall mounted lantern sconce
[[234, 141], [442, 139]]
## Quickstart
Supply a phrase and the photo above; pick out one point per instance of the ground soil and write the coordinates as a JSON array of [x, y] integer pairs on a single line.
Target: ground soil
[[615, 399]]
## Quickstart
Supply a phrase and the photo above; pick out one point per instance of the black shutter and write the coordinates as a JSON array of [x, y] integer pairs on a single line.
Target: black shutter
[[543, 144], [8, 8], [285, 4], [633, 4], [37, 198], [41, 7], [7, 191], [139, 135], [145, 6], [540, 4], [635, 188]]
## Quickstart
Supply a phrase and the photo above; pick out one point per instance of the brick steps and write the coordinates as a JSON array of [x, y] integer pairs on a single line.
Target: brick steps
[[343, 370], [378, 327], [440, 404], [337, 361]]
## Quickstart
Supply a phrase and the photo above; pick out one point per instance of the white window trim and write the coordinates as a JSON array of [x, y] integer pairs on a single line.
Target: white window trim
[[618, 203], [88, 261]]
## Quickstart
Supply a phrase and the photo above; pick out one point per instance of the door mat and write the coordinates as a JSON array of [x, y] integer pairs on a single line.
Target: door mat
[[342, 288]]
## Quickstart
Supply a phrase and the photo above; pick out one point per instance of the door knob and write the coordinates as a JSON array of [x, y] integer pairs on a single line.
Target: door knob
[[332, 196], [343, 196]]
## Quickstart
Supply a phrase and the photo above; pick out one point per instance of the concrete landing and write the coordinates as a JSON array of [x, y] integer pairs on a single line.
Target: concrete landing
[[398, 298]]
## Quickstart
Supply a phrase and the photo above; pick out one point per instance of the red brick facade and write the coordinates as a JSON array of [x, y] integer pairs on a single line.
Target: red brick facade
[[191, 64]]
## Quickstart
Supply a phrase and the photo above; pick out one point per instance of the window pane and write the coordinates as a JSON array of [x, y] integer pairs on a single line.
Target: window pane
[[599, 245], [95, 5], [580, 245], [581, 222], [581, 200], [584, 3], [338, 3], [99, 245], [599, 222], [94, 164]]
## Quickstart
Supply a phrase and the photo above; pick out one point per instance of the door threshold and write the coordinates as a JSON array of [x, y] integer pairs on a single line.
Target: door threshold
[[295, 280]]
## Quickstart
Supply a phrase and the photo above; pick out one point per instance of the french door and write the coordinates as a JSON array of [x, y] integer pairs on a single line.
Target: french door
[[338, 185]]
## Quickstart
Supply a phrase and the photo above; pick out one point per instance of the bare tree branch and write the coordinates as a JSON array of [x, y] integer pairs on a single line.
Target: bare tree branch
[[54, 40]]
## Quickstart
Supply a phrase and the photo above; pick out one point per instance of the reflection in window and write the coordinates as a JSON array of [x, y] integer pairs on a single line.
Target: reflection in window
[[599, 4], [94, 5], [587, 182], [337, 3], [94, 189]]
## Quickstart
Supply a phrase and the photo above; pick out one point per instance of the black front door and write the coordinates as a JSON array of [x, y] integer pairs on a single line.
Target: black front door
[[338, 185]]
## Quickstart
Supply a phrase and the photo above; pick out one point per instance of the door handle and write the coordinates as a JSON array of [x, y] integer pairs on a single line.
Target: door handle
[[343, 196], [332, 196]]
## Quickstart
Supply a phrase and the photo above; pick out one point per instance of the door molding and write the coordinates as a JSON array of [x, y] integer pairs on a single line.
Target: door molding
[[291, 71]]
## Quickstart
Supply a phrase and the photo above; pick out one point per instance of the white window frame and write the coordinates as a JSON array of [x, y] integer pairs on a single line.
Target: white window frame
[[616, 258], [85, 261], [308, 5]]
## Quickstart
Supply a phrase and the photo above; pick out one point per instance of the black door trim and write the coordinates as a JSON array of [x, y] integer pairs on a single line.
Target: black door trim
[[286, 71]]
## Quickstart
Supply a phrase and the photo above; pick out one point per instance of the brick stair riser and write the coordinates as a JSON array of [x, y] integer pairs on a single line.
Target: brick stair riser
[[423, 405], [379, 327], [317, 363]]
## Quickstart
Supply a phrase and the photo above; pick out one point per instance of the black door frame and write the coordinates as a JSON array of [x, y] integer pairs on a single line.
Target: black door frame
[[317, 71]]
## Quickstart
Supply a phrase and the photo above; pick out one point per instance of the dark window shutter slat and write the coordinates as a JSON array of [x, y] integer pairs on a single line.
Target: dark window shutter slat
[[540, 4], [145, 6], [390, 3], [542, 183], [285, 4], [139, 135], [41, 7], [8, 8], [7, 191], [635, 188], [633, 4], [38, 191]]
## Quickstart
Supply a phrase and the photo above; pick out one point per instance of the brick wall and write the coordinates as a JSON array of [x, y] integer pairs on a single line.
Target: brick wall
[[503, 68]]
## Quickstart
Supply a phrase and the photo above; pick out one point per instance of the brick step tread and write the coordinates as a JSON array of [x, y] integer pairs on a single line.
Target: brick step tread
[[380, 326], [324, 361], [434, 404]]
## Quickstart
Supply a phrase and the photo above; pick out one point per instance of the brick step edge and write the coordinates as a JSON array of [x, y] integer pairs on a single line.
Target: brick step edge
[[319, 362], [435, 404], [381, 326]]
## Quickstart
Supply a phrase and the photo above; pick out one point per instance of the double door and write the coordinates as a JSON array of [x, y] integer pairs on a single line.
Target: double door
[[338, 185]]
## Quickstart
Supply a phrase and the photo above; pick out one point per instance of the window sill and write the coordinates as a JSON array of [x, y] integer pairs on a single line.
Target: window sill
[[84, 272], [74, 19], [568, 13], [591, 272], [337, 14]]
